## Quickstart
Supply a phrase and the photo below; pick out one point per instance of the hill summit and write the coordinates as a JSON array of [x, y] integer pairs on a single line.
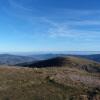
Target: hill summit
[[68, 61]]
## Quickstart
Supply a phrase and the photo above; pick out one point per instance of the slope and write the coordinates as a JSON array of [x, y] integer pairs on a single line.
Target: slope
[[69, 61]]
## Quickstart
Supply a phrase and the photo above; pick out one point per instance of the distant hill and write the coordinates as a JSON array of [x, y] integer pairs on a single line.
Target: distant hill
[[7, 59], [95, 57], [69, 61], [45, 56]]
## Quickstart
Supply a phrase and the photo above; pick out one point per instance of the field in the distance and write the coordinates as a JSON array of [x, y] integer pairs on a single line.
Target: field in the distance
[[48, 84]]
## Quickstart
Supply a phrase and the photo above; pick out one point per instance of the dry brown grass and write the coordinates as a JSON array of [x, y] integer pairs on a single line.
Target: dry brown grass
[[47, 84]]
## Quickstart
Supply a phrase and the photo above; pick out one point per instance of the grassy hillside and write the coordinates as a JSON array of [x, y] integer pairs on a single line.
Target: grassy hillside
[[61, 83], [69, 61]]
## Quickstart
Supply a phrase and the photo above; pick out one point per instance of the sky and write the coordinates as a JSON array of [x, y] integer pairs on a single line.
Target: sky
[[49, 25]]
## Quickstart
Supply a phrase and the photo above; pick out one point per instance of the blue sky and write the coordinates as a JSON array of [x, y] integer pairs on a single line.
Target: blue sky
[[49, 25]]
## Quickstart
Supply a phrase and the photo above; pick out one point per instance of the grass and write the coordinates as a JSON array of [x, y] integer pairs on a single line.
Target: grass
[[44, 84]]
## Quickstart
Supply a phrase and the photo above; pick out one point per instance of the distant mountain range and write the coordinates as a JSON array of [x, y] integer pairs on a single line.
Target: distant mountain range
[[7, 59]]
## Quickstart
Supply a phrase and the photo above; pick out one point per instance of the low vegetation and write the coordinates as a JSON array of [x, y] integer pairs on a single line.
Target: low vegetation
[[61, 83], [68, 61]]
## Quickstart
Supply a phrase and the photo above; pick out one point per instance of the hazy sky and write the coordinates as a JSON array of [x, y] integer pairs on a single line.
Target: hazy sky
[[49, 25]]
